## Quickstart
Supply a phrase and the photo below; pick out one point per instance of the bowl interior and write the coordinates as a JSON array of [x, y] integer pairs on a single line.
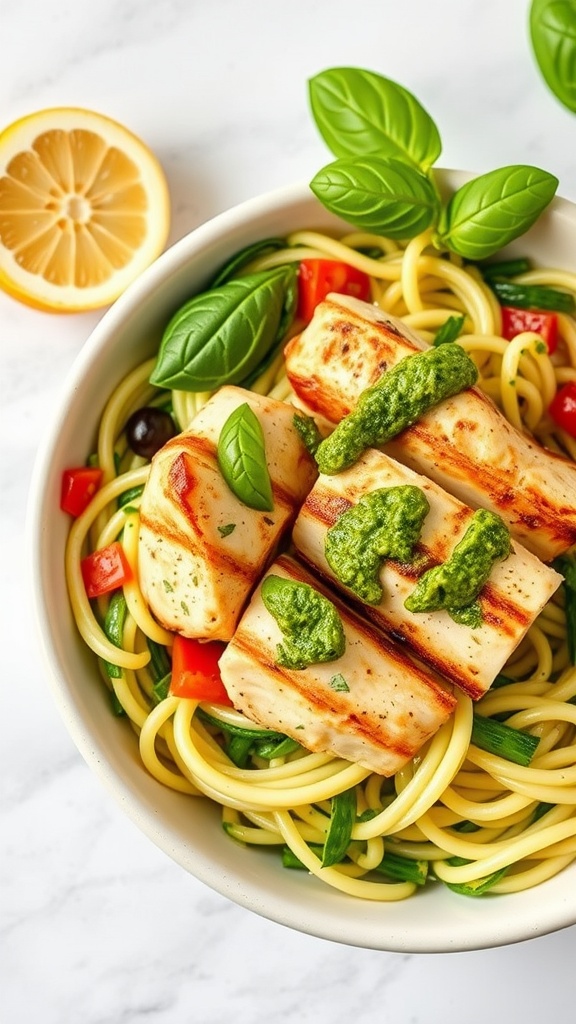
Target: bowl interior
[[188, 829]]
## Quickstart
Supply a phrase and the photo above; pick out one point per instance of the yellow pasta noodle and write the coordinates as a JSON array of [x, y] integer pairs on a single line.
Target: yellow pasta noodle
[[466, 814]]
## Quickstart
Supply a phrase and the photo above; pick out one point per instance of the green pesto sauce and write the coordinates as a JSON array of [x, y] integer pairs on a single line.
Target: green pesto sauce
[[385, 523], [395, 402], [455, 584], [311, 626]]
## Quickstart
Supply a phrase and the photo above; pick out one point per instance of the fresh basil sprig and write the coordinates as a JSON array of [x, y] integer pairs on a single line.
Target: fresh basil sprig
[[242, 459], [220, 336], [553, 36], [386, 196], [360, 112], [493, 209], [383, 179]]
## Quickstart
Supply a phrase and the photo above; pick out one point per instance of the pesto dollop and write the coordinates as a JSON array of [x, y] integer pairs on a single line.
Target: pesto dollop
[[385, 523], [395, 402], [455, 585], [311, 626]]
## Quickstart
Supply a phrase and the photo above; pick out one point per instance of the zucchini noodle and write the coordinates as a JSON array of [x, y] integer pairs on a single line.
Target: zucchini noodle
[[468, 816]]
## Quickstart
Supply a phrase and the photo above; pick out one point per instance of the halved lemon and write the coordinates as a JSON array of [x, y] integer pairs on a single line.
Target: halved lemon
[[84, 208]]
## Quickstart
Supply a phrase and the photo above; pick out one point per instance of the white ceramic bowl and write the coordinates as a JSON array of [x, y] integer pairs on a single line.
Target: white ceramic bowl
[[189, 829]]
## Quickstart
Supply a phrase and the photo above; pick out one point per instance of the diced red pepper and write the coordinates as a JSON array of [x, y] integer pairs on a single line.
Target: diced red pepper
[[317, 278], [79, 486], [105, 570], [516, 321], [195, 671], [563, 408]]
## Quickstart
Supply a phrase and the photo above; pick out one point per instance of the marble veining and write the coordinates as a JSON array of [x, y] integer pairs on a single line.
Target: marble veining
[[98, 926]]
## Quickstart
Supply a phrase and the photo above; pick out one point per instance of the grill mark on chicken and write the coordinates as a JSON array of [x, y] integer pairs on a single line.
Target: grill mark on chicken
[[510, 600], [393, 704], [331, 707], [533, 488]]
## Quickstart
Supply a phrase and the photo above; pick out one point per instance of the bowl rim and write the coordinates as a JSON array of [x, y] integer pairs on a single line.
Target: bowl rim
[[323, 917]]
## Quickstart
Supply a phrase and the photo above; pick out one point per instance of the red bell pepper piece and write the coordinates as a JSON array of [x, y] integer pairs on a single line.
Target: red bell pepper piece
[[105, 570], [317, 278], [515, 321], [195, 671], [79, 486], [562, 408]]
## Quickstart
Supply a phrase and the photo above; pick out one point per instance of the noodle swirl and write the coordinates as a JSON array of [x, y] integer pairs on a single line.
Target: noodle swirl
[[521, 820]]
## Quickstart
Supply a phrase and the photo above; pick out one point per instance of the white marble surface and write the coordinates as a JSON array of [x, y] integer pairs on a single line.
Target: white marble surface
[[98, 926]]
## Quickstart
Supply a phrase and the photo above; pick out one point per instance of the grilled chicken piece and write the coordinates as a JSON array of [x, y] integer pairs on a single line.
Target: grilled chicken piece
[[393, 704], [516, 591], [200, 548], [465, 444]]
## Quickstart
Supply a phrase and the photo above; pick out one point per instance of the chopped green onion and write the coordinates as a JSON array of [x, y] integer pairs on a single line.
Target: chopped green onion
[[403, 869], [533, 296], [132, 494], [478, 886], [342, 818], [541, 810], [450, 330], [466, 826], [501, 680], [240, 730], [238, 749], [566, 565], [290, 860], [161, 688], [497, 738], [505, 268], [368, 814], [270, 749], [117, 707], [114, 628], [159, 661]]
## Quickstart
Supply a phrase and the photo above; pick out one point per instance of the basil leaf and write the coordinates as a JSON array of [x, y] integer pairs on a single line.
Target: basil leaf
[[286, 318], [493, 209], [242, 459], [245, 256], [360, 113], [553, 35], [385, 196], [221, 335]]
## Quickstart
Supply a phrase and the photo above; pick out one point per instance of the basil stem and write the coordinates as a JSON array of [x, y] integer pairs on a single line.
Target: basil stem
[[220, 336], [360, 113], [553, 36], [500, 739], [491, 210], [342, 818], [242, 459], [241, 259], [388, 197]]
